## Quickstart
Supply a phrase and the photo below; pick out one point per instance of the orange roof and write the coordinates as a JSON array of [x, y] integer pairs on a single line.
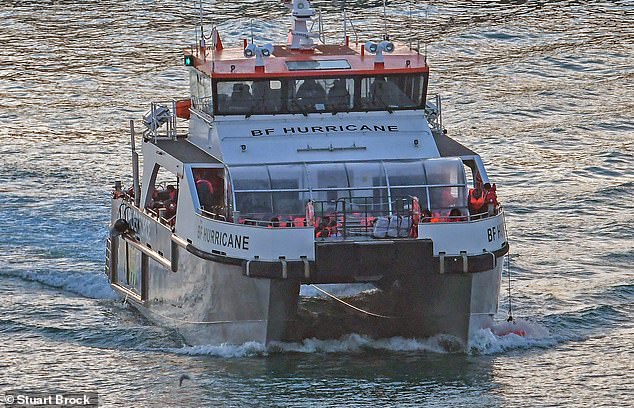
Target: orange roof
[[230, 63]]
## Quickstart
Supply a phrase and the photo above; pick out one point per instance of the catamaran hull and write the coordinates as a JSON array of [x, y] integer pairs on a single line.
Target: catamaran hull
[[210, 302]]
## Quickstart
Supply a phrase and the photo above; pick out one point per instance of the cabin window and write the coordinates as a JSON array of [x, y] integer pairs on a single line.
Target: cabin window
[[252, 187], [407, 179], [369, 187], [210, 191], [200, 87], [320, 94], [162, 194], [365, 189], [329, 183], [450, 189], [249, 97], [290, 189]]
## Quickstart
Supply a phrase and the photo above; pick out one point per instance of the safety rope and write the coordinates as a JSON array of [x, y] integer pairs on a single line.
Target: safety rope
[[352, 306]]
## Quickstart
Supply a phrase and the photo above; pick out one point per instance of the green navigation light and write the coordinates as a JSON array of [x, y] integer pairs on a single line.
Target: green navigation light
[[189, 60]]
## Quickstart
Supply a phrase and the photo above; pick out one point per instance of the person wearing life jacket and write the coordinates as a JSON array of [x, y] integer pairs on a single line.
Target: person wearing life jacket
[[333, 228], [170, 203], [476, 200], [436, 216], [205, 192], [490, 198], [275, 223], [322, 231]]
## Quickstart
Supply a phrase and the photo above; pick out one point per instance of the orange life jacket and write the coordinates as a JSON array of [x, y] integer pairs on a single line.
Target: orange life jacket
[[475, 203]]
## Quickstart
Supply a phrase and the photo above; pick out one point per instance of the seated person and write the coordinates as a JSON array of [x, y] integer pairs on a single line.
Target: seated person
[[263, 97], [338, 95], [241, 98], [171, 202], [310, 93], [384, 94], [476, 201], [426, 215], [205, 192], [275, 223], [378, 93]]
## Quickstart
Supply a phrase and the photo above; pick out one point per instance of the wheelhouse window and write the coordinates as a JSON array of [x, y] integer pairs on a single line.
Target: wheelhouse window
[[320, 94], [407, 179], [200, 87], [249, 97]]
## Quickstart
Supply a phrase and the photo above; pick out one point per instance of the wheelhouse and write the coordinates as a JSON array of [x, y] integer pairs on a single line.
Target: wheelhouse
[[330, 79]]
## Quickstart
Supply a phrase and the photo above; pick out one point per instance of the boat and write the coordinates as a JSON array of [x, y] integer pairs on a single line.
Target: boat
[[298, 164]]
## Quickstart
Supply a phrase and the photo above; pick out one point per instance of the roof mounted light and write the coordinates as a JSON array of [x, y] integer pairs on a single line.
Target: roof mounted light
[[379, 49], [258, 52]]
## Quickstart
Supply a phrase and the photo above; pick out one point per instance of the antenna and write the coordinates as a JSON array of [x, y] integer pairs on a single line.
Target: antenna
[[201, 12], [426, 26], [345, 20], [409, 23], [384, 22]]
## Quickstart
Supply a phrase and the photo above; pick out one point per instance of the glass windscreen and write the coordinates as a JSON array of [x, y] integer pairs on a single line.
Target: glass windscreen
[[280, 192], [451, 190], [307, 95], [407, 179]]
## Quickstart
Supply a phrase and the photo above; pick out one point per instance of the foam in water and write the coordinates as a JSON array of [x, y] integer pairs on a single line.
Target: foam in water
[[352, 343], [248, 349], [505, 336], [502, 337], [85, 284]]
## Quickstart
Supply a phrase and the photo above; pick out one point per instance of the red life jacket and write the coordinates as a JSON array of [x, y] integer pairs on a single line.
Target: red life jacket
[[475, 204]]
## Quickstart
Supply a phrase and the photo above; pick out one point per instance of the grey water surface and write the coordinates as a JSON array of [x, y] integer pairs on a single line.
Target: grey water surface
[[543, 90]]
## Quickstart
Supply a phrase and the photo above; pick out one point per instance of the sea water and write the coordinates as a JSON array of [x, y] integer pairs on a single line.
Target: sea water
[[542, 90]]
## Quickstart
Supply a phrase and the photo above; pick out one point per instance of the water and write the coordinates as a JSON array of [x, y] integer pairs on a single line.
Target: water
[[544, 91]]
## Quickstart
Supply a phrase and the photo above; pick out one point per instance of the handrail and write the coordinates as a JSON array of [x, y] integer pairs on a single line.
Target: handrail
[[161, 121]]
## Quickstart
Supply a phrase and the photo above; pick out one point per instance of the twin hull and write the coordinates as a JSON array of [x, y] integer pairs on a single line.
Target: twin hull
[[426, 287]]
